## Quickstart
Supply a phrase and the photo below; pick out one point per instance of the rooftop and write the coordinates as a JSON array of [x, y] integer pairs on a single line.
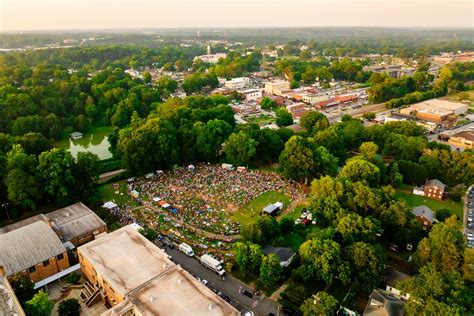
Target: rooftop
[[125, 259], [282, 252], [435, 183], [75, 220], [9, 304], [174, 292], [467, 135], [27, 221], [424, 211], [27, 246], [439, 105], [381, 303]]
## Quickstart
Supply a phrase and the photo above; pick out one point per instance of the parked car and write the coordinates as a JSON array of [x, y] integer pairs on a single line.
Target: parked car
[[470, 236]]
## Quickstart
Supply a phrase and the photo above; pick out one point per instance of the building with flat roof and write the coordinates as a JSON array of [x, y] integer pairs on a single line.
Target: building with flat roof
[[34, 250], [9, 304], [135, 277], [463, 139], [277, 87], [441, 105], [237, 83], [175, 292], [76, 223]]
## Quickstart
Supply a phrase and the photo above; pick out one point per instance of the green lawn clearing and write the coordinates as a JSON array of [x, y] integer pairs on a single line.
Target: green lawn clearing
[[119, 196], [416, 200], [250, 212]]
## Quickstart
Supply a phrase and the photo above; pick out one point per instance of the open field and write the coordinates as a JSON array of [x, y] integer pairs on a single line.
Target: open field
[[415, 200], [455, 96], [249, 213]]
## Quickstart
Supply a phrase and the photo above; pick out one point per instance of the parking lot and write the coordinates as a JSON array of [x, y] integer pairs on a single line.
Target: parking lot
[[229, 288], [469, 217]]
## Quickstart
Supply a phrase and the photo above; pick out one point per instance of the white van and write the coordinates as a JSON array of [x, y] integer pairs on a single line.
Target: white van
[[186, 249]]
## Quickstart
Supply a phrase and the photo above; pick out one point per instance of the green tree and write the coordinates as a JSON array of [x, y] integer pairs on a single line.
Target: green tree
[[149, 233], [367, 262], [56, 171], [368, 150], [248, 256], [444, 246], [358, 169], [321, 258], [69, 307], [85, 172], [283, 117], [437, 293], [266, 103], [23, 287], [314, 121], [302, 160], [239, 148], [326, 187], [20, 181], [321, 304], [270, 269], [39, 305]]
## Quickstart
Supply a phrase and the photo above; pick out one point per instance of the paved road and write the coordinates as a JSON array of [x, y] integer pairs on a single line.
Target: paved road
[[230, 286], [108, 175], [357, 112]]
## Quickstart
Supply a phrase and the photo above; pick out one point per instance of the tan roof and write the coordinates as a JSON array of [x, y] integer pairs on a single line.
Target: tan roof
[[439, 104], [27, 246], [125, 259], [174, 293], [27, 221], [75, 221]]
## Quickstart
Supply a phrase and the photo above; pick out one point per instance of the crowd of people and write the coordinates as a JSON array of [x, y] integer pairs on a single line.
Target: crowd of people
[[205, 195]]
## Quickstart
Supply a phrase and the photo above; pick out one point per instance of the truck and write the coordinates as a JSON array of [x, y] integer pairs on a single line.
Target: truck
[[212, 263], [186, 249]]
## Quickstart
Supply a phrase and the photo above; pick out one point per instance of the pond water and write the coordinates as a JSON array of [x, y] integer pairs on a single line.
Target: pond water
[[96, 143]]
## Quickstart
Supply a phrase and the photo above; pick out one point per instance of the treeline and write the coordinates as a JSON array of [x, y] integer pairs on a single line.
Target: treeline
[[52, 178], [419, 87], [357, 216], [307, 71], [195, 129]]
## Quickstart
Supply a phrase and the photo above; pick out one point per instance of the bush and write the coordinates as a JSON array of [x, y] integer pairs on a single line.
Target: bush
[[73, 278], [69, 307]]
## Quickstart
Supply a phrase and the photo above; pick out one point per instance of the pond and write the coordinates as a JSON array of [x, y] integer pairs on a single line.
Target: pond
[[96, 142]]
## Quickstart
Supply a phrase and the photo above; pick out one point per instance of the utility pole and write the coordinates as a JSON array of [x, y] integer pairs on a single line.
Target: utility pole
[[6, 210]]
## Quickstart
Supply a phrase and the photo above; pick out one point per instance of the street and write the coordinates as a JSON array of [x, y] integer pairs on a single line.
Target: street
[[229, 286]]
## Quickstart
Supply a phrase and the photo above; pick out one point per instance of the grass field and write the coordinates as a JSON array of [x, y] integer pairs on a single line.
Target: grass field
[[107, 193], [455, 96], [415, 200], [250, 212]]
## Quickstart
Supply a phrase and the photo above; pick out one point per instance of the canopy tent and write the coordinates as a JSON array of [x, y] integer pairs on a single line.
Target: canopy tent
[[109, 205]]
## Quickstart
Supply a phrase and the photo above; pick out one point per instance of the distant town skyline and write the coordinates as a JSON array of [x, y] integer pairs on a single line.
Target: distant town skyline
[[17, 15]]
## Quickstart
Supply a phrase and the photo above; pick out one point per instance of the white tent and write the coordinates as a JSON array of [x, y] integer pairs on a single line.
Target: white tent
[[109, 205]]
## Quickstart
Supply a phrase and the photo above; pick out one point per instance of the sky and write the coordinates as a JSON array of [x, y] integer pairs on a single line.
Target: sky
[[22, 15]]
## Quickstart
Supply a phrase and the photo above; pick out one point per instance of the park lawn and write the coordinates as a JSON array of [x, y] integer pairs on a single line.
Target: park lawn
[[262, 119], [249, 213], [416, 200], [455, 96], [107, 193]]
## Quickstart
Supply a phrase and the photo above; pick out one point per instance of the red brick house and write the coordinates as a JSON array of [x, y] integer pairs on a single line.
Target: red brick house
[[435, 189]]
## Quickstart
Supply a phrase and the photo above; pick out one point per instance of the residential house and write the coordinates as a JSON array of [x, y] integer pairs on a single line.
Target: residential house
[[435, 189], [424, 215], [384, 303], [285, 254]]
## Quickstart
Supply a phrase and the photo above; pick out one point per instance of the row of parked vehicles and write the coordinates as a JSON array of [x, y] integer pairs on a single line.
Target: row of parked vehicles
[[470, 218], [206, 260]]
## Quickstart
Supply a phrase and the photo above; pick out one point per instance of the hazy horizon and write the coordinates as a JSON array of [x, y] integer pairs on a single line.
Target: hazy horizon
[[77, 15]]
